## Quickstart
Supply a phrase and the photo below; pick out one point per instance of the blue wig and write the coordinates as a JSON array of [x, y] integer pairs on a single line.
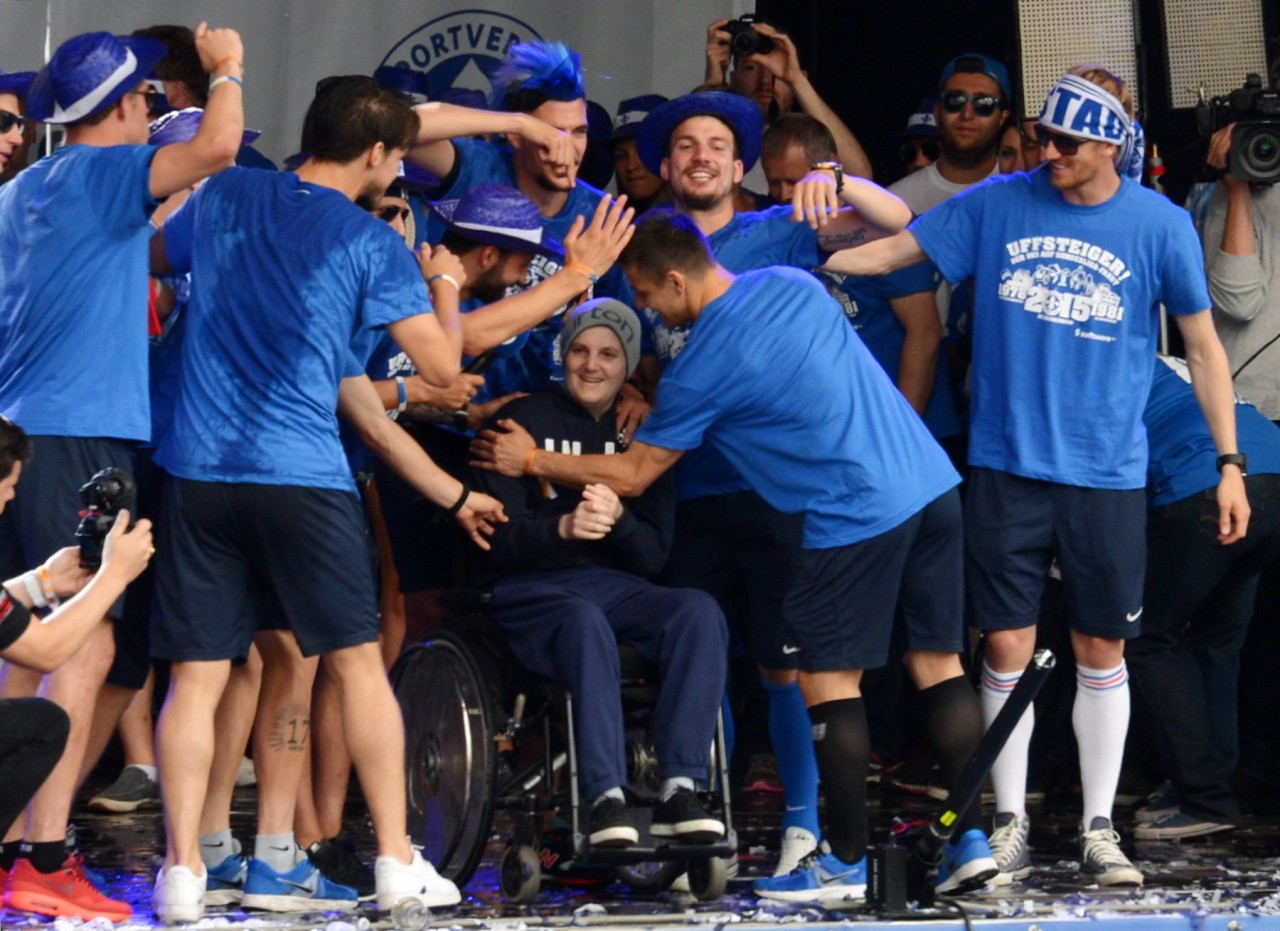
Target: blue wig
[[549, 70]]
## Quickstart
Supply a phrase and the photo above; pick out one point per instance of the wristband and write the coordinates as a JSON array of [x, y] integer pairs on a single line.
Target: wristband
[[222, 61], [583, 270], [835, 167], [225, 79], [31, 582], [46, 587], [462, 499], [1235, 459], [401, 394], [441, 276], [527, 468]]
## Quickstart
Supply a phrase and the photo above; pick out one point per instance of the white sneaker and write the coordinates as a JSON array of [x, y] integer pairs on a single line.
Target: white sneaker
[[797, 843], [179, 895], [246, 775], [417, 881]]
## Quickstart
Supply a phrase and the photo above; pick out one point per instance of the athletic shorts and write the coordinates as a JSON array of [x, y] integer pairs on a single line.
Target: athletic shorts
[[840, 612], [132, 662], [426, 544], [44, 515], [742, 552], [222, 549], [1015, 527]]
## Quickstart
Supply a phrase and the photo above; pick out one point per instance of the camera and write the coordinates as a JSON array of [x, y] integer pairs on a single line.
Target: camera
[[744, 40], [109, 492], [1255, 142]]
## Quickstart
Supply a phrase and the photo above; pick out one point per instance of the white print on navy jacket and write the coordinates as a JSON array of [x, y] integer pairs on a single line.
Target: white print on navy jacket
[[1064, 280], [568, 448]]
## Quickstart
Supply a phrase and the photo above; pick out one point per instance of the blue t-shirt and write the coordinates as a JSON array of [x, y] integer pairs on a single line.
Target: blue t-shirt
[[285, 276], [74, 229], [747, 242], [479, 162], [774, 378], [1065, 320], [865, 301], [1183, 458]]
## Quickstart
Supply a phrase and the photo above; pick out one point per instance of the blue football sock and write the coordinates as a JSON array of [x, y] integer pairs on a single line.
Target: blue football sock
[[791, 732]]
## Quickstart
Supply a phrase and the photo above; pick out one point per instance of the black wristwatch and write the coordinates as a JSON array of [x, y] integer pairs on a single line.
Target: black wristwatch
[[1235, 459], [831, 166]]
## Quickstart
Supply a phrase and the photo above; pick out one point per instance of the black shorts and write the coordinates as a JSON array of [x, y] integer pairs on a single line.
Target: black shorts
[[1015, 527], [44, 515], [132, 663], [840, 612], [742, 552], [221, 548], [426, 544]]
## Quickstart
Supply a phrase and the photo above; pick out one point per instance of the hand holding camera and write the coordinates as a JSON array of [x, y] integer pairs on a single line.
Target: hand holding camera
[[1243, 129]]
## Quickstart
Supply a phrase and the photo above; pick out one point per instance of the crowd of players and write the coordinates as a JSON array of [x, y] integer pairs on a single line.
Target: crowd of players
[[734, 418]]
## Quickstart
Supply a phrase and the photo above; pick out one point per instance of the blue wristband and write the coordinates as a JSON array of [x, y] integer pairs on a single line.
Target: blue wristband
[[401, 393]]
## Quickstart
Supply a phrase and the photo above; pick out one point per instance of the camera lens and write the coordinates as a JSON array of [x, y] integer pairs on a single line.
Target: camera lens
[[1260, 153]]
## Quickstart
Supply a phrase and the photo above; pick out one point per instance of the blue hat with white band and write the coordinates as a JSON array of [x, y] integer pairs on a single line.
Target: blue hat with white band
[[89, 73]]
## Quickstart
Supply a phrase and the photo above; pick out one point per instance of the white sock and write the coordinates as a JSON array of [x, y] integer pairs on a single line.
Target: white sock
[[1009, 774], [149, 769], [615, 792], [216, 847], [1101, 721], [670, 786], [278, 851]]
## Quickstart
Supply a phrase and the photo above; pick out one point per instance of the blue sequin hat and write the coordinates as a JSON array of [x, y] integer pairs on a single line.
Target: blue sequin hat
[[739, 113], [89, 73], [499, 216], [17, 83]]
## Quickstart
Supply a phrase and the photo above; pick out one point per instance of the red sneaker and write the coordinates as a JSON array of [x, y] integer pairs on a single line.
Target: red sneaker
[[66, 892]]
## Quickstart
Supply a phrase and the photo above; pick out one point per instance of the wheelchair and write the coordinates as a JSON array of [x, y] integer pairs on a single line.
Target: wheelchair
[[483, 735]]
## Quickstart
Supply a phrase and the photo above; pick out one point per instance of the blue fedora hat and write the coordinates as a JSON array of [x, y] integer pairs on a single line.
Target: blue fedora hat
[[89, 73], [181, 126], [17, 83], [498, 215], [631, 113], [740, 114]]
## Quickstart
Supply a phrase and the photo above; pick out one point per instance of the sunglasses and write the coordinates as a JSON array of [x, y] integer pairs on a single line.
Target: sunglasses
[[9, 120], [391, 211], [983, 104], [1066, 145], [151, 95], [929, 148]]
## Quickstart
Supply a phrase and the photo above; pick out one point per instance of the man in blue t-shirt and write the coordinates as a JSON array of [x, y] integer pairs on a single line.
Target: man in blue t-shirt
[[260, 500], [74, 230], [1071, 262], [774, 378]]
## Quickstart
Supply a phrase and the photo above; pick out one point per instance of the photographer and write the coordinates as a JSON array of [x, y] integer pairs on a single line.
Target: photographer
[[33, 731], [1244, 277]]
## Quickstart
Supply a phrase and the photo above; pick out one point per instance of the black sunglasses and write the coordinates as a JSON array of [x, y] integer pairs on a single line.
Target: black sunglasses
[[151, 95], [1066, 145], [9, 120], [389, 213], [929, 148], [983, 104]]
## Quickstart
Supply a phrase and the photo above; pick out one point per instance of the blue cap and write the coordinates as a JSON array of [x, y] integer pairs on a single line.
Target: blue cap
[[631, 113], [413, 84], [976, 63], [17, 83], [89, 73]]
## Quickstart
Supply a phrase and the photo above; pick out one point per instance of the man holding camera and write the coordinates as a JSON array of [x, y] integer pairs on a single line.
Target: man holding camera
[[74, 232]]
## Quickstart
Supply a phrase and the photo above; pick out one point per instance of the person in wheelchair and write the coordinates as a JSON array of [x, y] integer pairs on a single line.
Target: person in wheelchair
[[568, 574]]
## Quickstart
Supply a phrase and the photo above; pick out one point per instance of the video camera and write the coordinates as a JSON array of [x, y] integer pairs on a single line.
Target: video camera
[[743, 40], [109, 492], [1255, 142]]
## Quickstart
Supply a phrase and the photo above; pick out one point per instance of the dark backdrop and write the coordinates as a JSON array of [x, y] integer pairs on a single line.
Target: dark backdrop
[[873, 60]]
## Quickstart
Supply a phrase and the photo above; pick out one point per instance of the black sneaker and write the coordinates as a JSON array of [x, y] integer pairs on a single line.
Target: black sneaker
[[611, 824], [336, 859], [683, 816]]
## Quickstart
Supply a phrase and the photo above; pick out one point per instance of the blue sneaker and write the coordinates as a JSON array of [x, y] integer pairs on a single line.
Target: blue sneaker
[[966, 864], [224, 883], [820, 877], [302, 889]]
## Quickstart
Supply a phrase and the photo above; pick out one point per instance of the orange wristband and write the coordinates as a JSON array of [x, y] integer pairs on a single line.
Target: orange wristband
[[527, 468], [583, 270], [222, 61]]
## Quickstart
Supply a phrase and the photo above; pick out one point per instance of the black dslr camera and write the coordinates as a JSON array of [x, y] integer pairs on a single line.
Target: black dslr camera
[[104, 496], [743, 40], [1255, 142]]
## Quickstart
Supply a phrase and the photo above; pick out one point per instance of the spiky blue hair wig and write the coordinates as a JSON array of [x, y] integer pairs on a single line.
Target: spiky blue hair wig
[[537, 71]]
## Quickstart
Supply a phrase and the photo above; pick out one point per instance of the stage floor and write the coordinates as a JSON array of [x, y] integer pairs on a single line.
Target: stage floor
[[1226, 882]]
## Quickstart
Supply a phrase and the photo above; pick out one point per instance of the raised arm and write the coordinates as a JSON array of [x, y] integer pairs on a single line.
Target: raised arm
[[1237, 281], [862, 211], [878, 258], [440, 123], [221, 130]]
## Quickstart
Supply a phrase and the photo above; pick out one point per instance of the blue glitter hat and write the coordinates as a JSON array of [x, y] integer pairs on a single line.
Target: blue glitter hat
[[89, 73], [499, 216], [739, 113]]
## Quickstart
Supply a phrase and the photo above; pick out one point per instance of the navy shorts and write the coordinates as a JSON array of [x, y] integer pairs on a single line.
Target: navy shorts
[[841, 610], [426, 544], [223, 548], [742, 552], [132, 663], [44, 515], [1015, 527]]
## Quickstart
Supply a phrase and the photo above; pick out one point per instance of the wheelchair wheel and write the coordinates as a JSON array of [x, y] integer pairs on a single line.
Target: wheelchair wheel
[[520, 875], [449, 753], [708, 878], [650, 877]]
